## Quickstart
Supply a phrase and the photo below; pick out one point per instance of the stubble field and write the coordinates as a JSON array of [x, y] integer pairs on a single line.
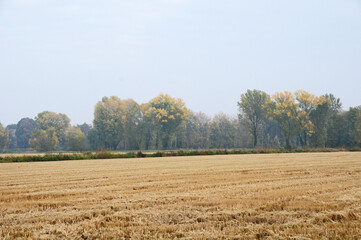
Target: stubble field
[[273, 196]]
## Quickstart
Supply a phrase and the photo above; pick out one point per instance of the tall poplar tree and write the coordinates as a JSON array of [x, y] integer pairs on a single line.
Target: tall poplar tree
[[254, 108]]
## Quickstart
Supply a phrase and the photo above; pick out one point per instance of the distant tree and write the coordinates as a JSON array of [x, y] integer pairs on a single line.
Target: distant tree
[[167, 115], [336, 131], [353, 129], [320, 118], [198, 130], [44, 140], [307, 103], [132, 120], [286, 113], [4, 138], [223, 131], [335, 123], [246, 139], [57, 121], [24, 130], [272, 134], [180, 138], [12, 131], [335, 103], [108, 122], [75, 140], [325, 118], [358, 128], [11, 126], [254, 107], [148, 130], [85, 128], [94, 140]]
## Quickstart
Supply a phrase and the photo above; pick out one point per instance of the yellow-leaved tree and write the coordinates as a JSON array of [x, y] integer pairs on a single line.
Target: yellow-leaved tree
[[58, 122], [286, 113], [167, 114], [307, 103], [44, 140]]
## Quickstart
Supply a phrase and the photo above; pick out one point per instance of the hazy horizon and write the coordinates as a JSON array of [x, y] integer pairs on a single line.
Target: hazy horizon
[[65, 56]]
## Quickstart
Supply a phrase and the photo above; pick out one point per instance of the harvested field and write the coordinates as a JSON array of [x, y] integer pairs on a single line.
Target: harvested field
[[273, 196]]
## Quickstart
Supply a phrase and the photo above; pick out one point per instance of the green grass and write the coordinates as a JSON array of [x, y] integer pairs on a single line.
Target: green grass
[[111, 155]]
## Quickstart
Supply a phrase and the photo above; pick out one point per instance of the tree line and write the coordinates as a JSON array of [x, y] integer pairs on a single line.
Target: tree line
[[285, 119]]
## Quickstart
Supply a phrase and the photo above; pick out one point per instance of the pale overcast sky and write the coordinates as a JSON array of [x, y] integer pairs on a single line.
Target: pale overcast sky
[[64, 56]]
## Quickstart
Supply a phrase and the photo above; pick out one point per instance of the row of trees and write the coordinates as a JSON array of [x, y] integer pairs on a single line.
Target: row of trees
[[304, 119], [48, 131], [286, 119]]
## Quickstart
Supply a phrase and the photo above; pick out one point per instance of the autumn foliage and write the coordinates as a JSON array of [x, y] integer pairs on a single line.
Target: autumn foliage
[[283, 120]]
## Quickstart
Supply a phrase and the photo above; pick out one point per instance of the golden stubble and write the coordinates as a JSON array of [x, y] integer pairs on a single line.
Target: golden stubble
[[273, 196]]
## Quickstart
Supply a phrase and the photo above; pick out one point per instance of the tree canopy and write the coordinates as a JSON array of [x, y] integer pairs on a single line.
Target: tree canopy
[[255, 106], [44, 140], [58, 122], [285, 119], [167, 114], [4, 138], [24, 130]]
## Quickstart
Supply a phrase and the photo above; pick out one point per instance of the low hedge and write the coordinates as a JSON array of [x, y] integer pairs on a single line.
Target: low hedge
[[112, 155]]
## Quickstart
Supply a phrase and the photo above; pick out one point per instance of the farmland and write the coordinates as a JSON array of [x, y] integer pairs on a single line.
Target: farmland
[[274, 196]]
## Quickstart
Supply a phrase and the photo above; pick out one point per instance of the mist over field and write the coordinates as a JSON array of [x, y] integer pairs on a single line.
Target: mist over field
[[60, 59], [64, 56]]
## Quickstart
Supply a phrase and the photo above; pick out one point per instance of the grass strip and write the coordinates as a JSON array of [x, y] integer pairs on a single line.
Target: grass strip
[[112, 155]]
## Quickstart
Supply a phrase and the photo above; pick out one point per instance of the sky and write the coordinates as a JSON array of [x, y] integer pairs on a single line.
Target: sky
[[64, 56]]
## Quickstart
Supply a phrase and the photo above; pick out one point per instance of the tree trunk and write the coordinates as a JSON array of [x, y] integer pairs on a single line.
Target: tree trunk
[[301, 141], [305, 138], [288, 145], [254, 138]]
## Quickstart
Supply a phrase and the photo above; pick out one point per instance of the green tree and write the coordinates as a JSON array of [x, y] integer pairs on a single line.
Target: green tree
[[44, 140], [4, 138], [223, 131], [358, 129], [57, 121], [320, 118], [85, 128], [108, 116], [336, 131], [94, 139], [147, 129], [198, 131], [335, 103], [353, 130], [180, 138], [272, 135], [132, 121], [254, 108], [75, 140], [12, 135], [24, 130], [336, 122], [167, 115]]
